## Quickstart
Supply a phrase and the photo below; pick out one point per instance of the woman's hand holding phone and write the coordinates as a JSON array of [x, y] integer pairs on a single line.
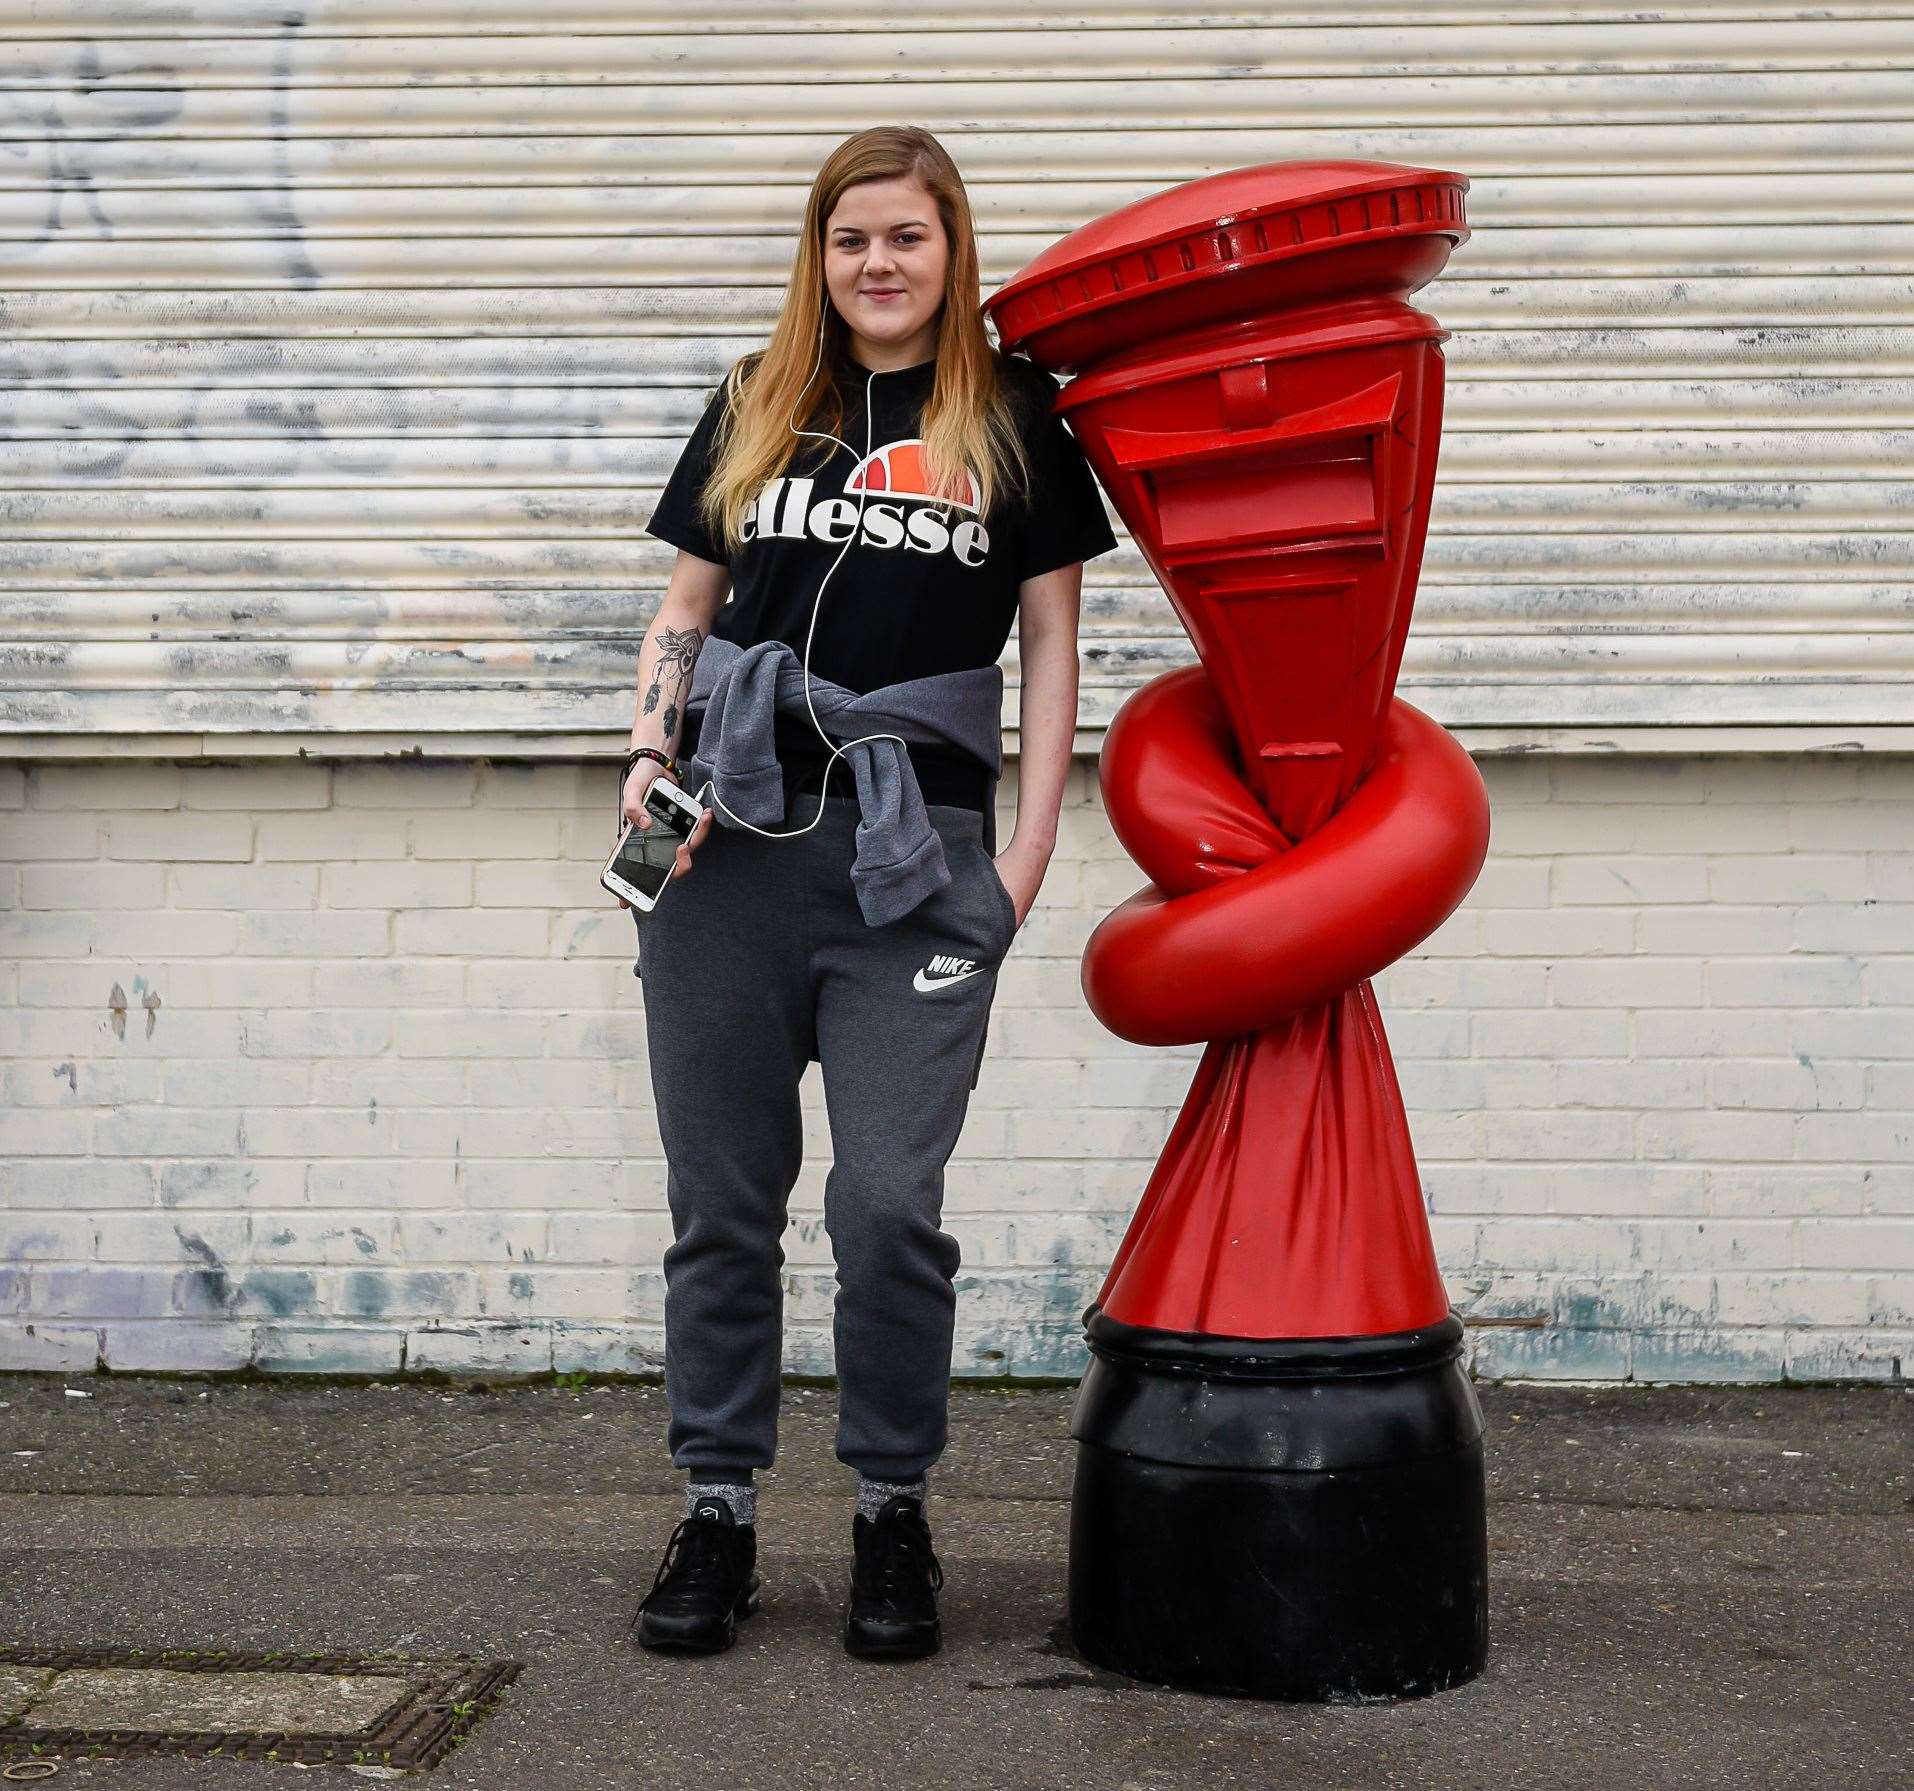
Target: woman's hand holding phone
[[634, 810]]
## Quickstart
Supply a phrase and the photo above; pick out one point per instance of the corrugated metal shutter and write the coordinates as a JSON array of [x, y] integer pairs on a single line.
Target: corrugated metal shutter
[[347, 341]]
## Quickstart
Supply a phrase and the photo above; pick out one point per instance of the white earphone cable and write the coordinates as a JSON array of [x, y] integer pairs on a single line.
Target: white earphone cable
[[837, 749]]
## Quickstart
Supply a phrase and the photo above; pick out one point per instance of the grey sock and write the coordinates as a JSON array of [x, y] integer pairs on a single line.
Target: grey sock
[[740, 1495], [871, 1494]]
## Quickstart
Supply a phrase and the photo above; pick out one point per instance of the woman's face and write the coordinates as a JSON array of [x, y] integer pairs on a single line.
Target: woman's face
[[885, 257]]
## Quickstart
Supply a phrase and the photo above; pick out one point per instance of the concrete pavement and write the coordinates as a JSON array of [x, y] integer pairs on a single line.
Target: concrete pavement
[[1692, 1588]]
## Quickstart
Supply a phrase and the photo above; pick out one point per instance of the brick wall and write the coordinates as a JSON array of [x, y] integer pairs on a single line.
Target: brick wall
[[342, 1067]]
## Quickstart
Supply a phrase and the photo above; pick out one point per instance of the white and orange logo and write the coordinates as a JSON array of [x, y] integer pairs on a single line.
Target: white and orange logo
[[907, 515], [902, 470]]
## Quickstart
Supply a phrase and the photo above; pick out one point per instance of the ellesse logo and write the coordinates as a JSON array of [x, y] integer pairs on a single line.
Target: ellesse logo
[[904, 517]]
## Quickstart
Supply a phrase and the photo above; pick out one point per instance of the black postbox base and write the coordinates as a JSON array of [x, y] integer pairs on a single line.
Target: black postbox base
[[1300, 1520]]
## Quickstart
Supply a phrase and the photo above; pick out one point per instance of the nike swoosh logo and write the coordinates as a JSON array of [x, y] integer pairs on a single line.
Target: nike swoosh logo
[[924, 984]]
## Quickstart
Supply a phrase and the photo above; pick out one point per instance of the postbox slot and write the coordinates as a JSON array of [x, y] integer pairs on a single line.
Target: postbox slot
[[1341, 423], [1251, 585], [1265, 499]]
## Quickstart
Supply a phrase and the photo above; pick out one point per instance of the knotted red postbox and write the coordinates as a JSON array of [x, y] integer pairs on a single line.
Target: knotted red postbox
[[1279, 1475]]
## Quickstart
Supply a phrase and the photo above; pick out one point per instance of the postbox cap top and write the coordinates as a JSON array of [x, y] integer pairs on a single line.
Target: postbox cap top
[[1193, 229]]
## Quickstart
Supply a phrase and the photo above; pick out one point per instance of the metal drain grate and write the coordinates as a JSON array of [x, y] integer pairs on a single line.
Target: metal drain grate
[[125, 1703]]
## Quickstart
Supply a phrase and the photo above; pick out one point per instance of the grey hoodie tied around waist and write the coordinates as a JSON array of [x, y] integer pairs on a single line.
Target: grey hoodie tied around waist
[[738, 691]]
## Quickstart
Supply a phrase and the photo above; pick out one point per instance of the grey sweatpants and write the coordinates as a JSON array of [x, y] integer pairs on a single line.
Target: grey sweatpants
[[753, 965]]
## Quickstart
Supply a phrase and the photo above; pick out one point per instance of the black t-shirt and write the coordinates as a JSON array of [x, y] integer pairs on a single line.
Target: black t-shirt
[[928, 586]]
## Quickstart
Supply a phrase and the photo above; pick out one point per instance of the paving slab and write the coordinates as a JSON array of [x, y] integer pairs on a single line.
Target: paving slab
[[19, 1686], [189, 1703]]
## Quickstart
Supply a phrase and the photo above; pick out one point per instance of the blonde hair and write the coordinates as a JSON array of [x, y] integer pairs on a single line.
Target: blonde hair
[[969, 419]]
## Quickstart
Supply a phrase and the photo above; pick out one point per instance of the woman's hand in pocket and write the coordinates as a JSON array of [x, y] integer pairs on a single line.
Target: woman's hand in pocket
[[1022, 868]]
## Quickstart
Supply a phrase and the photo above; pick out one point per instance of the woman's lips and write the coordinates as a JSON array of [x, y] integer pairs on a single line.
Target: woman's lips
[[894, 292]]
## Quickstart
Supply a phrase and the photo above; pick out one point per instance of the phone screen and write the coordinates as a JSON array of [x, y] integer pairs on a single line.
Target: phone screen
[[646, 858]]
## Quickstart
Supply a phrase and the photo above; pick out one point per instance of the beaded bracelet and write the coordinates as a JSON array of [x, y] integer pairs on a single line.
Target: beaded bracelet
[[649, 752], [632, 758]]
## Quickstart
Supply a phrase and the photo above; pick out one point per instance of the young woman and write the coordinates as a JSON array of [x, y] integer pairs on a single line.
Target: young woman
[[881, 493]]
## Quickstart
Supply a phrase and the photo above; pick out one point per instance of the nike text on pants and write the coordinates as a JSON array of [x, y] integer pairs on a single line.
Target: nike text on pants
[[754, 964]]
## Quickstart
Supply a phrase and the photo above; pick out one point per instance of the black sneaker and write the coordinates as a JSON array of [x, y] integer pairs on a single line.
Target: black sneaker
[[706, 1581], [894, 1584]]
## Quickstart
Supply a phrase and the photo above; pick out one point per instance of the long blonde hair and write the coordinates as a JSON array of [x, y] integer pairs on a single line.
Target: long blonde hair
[[969, 419]]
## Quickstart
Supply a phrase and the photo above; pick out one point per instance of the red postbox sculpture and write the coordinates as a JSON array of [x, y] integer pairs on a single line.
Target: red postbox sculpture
[[1279, 1474]]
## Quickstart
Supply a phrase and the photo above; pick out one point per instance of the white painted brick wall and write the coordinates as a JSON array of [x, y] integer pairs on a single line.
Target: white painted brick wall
[[295, 1076]]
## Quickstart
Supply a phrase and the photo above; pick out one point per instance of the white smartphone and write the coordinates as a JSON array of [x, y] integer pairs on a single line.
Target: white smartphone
[[641, 863]]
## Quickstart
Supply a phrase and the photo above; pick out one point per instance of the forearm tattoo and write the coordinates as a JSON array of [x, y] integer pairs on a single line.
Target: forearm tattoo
[[671, 674]]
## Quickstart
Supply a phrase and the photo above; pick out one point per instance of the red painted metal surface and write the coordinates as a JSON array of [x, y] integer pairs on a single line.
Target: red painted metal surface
[[1264, 407]]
